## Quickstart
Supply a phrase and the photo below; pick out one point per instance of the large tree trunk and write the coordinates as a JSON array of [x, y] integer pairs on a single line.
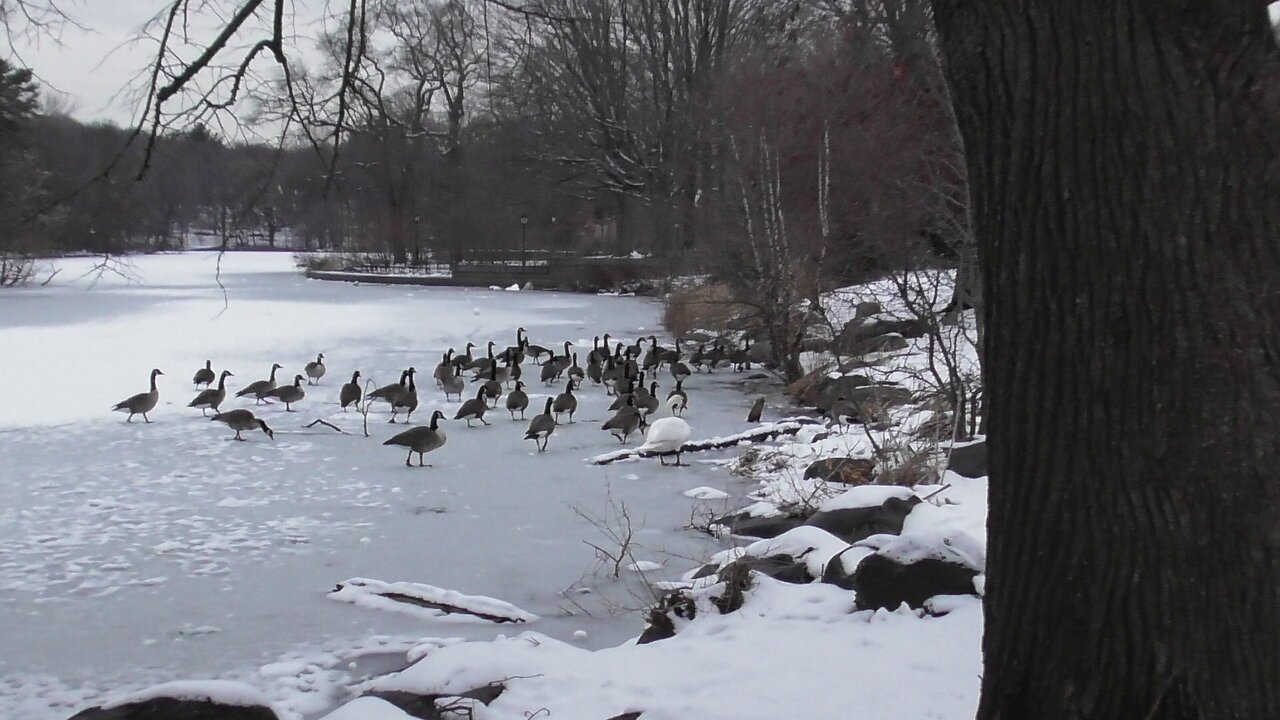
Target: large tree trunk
[[1124, 164]]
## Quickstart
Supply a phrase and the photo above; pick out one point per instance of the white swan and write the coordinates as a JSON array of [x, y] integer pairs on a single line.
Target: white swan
[[667, 435]]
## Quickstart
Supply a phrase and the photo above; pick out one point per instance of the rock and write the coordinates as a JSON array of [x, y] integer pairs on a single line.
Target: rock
[[858, 390], [167, 708], [834, 574], [882, 583], [859, 338], [756, 410], [660, 623], [424, 706], [969, 460], [829, 389], [632, 715], [758, 527], [854, 524], [815, 344], [850, 471], [865, 308], [779, 567]]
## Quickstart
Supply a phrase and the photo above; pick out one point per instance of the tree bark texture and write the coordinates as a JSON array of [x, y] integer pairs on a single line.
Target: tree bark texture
[[1123, 165]]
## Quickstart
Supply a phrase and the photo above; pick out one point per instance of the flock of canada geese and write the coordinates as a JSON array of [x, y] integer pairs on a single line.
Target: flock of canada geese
[[626, 371]]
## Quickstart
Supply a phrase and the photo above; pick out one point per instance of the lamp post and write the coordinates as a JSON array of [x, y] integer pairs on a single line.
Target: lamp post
[[524, 227]]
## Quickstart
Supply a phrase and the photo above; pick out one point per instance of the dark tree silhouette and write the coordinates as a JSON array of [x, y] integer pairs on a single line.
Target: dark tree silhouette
[[1124, 161]]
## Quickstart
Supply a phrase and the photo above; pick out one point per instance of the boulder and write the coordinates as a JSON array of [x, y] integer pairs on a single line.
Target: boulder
[[758, 527], [849, 471], [969, 460], [865, 308], [882, 583], [860, 338], [858, 390], [168, 708], [425, 706], [779, 567], [828, 389], [854, 524]]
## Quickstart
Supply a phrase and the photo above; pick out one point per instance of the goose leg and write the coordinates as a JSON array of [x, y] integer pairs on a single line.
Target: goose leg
[[144, 417], [288, 409], [238, 436], [129, 419], [486, 422], [662, 459], [407, 458]]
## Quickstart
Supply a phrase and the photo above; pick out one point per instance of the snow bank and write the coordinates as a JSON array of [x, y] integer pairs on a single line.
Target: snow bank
[[223, 692]]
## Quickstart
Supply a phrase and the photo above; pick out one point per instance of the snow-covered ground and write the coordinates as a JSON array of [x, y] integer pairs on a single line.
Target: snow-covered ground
[[132, 554]]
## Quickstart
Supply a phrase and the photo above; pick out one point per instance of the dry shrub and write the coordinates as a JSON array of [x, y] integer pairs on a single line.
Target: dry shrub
[[707, 307], [918, 469]]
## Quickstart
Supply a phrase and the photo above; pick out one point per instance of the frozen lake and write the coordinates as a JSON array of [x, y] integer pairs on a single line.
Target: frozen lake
[[135, 553]]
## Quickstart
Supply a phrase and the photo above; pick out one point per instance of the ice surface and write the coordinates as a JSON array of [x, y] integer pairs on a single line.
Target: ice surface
[[118, 540]]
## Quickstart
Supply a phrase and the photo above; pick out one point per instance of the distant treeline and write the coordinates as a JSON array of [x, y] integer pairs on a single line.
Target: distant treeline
[[745, 134]]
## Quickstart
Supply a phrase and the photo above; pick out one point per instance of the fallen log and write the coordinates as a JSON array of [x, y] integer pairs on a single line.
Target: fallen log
[[790, 426]]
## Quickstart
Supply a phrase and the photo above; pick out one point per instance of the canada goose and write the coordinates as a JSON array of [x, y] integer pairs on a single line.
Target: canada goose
[[683, 397], [464, 361], [241, 420], [406, 400], [541, 427], [575, 373], [595, 371], [653, 358], [679, 370], [473, 409], [142, 403], [741, 358], [566, 403], [667, 436], [444, 370], [596, 355], [350, 393], [550, 371], [562, 361], [315, 370], [204, 376], [536, 352], [611, 375], [842, 414], [290, 394], [259, 388], [492, 388], [482, 365], [698, 357], [454, 384], [647, 400], [210, 399], [514, 354], [422, 439], [624, 422], [517, 399], [388, 392]]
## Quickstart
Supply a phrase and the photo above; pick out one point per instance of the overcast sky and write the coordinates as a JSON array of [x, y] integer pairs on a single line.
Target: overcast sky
[[93, 68]]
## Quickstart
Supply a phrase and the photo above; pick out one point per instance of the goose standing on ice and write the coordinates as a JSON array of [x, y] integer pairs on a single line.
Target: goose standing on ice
[[351, 392], [211, 398], [406, 400], [259, 388], [667, 436], [421, 440], [541, 427], [565, 402], [204, 376], [681, 396], [315, 370], [517, 400], [624, 422], [142, 403], [241, 420], [388, 392], [444, 370], [473, 409], [492, 388], [290, 394], [454, 384]]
